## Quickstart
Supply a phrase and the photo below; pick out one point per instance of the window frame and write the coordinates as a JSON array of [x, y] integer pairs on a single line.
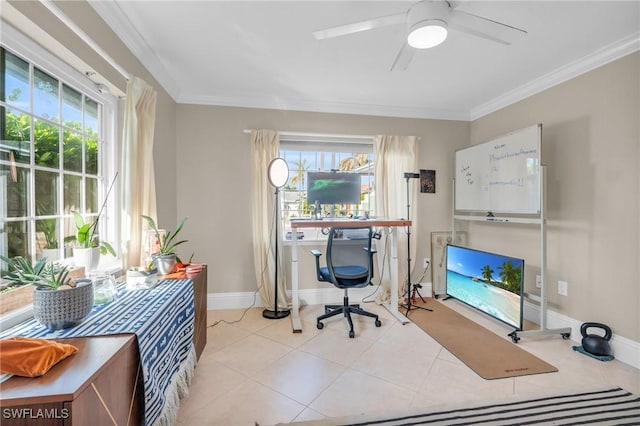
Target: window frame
[[28, 50], [325, 144]]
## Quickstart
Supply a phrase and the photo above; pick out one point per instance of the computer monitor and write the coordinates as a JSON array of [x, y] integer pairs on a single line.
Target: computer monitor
[[333, 188]]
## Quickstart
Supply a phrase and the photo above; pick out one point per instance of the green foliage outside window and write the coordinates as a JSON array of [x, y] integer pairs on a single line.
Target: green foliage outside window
[[16, 140]]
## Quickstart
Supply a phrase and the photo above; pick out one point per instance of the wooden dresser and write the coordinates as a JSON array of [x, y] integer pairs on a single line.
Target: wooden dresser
[[200, 302], [101, 384]]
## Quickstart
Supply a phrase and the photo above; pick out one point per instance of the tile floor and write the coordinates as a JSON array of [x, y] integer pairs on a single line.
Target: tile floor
[[257, 370]]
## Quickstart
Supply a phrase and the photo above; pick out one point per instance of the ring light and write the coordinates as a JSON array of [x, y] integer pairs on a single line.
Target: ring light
[[278, 172]]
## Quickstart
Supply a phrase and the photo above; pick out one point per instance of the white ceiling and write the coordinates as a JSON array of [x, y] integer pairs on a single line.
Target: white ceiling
[[262, 53]]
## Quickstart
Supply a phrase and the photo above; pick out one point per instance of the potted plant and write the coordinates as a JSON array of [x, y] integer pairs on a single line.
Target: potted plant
[[15, 291], [58, 301], [165, 258], [88, 247]]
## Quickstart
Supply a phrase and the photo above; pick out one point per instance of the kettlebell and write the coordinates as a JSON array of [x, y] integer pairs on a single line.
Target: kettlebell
[[594, 343]]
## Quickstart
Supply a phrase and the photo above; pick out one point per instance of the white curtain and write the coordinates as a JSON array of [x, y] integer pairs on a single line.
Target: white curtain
[[394, 156], [138, 188], [264, 148]]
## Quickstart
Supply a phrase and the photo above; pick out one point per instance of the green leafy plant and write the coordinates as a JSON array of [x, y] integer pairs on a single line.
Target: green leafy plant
[[168, 242], [41, 274], [85, 235], [48, 227]]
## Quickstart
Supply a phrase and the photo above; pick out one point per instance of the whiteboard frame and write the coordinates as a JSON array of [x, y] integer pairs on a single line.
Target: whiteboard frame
[[503, 182]]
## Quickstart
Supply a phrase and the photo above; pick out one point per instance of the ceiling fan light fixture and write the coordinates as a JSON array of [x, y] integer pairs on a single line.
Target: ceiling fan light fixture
[[427, 34]]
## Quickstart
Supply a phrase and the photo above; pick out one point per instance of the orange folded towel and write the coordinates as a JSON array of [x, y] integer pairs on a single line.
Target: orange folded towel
[[31, 357]]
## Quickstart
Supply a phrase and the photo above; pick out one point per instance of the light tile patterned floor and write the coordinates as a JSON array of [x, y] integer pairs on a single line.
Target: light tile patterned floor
[[257, 370]]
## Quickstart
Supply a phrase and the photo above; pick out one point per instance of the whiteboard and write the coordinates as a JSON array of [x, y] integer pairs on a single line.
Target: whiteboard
[[501, 175]]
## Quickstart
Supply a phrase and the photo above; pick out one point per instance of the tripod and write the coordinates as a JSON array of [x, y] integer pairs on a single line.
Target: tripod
[[412, 289]]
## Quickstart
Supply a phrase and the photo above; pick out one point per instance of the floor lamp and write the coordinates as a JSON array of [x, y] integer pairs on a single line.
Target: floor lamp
[[410, 287], [278, 173]]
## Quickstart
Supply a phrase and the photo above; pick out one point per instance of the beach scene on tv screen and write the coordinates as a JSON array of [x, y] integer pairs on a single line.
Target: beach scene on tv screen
[[487, 281]]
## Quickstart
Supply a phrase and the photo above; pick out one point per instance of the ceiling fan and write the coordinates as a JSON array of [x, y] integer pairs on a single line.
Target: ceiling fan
[[428, 22]]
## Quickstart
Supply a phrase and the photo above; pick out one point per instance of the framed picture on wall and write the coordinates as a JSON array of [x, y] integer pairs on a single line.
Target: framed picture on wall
[[428, 181]]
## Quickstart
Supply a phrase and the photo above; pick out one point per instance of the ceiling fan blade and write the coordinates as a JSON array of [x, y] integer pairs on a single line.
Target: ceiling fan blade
[[405, 55], [356, 27], [484, 27]]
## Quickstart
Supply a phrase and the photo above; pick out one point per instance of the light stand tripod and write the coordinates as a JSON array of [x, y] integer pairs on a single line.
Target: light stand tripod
[[278, 176], [412, 289]]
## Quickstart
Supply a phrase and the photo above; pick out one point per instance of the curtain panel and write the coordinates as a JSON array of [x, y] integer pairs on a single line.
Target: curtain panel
[[138, 188], [395, 155]]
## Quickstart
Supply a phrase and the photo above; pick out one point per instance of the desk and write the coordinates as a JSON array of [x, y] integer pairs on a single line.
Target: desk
[[392, 306]]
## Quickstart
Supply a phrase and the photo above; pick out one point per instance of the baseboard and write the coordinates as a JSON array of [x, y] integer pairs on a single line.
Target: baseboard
[[625, 350], [307, 297]]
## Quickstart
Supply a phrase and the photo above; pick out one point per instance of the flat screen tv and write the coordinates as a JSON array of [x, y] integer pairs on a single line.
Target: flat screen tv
[[333, 188], [489, 282]]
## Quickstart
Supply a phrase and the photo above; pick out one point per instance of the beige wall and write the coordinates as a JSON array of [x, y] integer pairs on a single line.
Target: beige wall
[[214, 180], [87, 19], [590, 144]]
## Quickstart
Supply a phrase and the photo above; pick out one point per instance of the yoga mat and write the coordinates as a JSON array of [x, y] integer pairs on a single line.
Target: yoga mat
[[486, 353]]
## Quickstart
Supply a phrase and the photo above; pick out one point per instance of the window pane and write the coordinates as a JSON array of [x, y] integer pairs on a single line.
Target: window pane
[[71, 107], [91, 112], [68, 230], [91, 195], [91, 154], [46, 192], [14, 190], [72, 188], [47, 234], [72, 151], [309, 160], [47, 141], [45, 96], [17, 241], [15, 144], [16, 81]]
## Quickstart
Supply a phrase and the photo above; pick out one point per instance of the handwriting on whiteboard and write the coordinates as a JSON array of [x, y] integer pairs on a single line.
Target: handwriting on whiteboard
[[502, 175]]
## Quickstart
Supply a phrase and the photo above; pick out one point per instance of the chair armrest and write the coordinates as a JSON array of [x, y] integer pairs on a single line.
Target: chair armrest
[[317, 254], [370, 252]]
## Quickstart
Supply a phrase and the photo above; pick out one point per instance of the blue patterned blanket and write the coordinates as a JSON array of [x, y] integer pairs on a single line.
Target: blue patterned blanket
[[162, 319]]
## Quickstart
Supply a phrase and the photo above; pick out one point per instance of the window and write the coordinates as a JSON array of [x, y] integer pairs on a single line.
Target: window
[[313, 155], [57, 153]]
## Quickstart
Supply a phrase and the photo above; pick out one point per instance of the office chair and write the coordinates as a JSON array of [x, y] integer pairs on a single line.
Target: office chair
[[346, 268]]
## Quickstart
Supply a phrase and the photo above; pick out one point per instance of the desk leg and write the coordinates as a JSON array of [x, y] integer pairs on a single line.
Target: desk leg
[[392, 307], [295, 300]]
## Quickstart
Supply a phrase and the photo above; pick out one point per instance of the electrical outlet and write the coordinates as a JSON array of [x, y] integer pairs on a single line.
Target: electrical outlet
[[538, 281], [426, 262], [563, 288]]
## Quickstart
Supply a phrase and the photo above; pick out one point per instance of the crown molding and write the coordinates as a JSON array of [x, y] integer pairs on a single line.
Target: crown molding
[[112, 14], [291, 104], [609, 53]]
